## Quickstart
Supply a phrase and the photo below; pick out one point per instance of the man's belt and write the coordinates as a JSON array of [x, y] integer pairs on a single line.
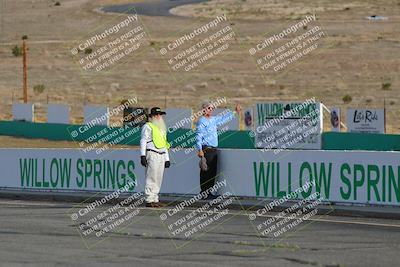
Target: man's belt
[[155, 151], [208, 147]]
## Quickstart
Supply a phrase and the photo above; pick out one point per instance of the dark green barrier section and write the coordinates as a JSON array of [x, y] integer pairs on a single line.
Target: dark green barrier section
[[357, 141], [236, 139], [183, 138], [64, 132], [35, 130]]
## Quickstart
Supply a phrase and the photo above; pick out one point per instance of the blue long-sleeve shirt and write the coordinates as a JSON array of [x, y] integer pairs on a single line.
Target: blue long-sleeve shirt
[[206, 129]]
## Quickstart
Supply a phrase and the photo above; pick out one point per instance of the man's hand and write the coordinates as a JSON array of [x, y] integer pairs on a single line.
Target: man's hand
[[143, 161], [200, 154], [167, 164], [238, 108]]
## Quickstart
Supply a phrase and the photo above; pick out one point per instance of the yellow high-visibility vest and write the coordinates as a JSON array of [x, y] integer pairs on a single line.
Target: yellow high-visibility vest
[[159, 139]]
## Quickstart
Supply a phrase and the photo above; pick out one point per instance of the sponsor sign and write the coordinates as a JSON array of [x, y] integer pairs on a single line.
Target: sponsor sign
[[366, 120], [335, 119], [23, 112], [96, 115], [289, 125], [248, 118], [57, 113]]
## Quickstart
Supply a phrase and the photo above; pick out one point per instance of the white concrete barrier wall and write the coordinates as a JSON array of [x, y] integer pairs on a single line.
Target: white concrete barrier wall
[[58, 114], [72, 169], [23, 112], [352, 177], [345, 177]]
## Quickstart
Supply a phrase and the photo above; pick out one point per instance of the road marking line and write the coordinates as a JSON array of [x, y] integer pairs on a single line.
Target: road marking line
[[20, 203], [231, 213], [309, 219]]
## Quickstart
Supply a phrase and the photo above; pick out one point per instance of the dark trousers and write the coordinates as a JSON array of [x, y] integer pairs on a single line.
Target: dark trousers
[[207, 178]]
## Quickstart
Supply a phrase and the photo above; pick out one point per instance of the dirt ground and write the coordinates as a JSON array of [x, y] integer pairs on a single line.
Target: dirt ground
[[358, 57], [16, 142]]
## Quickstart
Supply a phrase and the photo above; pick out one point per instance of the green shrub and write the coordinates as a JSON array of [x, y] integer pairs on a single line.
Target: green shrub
[[17, 51], [123, 101], [38, 89], [347, 99], [88, 50], [386, 86]]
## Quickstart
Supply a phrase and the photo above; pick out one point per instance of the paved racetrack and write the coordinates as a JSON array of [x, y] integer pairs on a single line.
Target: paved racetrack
[[39, 233]]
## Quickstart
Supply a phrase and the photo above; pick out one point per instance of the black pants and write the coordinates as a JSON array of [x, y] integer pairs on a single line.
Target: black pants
[[207, 178]]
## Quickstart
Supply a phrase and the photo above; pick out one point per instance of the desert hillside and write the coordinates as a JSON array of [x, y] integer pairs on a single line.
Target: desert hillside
[[357, 62]]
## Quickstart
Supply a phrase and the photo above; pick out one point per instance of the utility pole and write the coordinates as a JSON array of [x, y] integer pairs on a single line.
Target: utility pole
[[25, 72], [384, 114]]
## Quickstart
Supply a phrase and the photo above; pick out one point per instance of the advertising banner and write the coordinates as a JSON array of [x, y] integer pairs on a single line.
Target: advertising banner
[[289, 125], [23, 112], [335, 119], [96, 115], [57, 113], [366, 120], [248, 118]]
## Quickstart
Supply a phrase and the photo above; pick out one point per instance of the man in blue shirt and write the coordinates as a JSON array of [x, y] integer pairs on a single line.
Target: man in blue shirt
[[207, 142]]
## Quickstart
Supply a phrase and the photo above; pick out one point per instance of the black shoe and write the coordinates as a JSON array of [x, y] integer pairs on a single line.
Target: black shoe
[[161, 205], [202, 195], [210, 197], [154, 205]]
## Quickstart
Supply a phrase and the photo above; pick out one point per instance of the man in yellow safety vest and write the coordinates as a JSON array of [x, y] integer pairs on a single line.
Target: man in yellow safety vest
[[154, 155]]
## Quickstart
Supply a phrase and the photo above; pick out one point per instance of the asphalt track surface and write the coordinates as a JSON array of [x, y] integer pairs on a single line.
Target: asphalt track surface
[[37, 233], [150, 7]]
